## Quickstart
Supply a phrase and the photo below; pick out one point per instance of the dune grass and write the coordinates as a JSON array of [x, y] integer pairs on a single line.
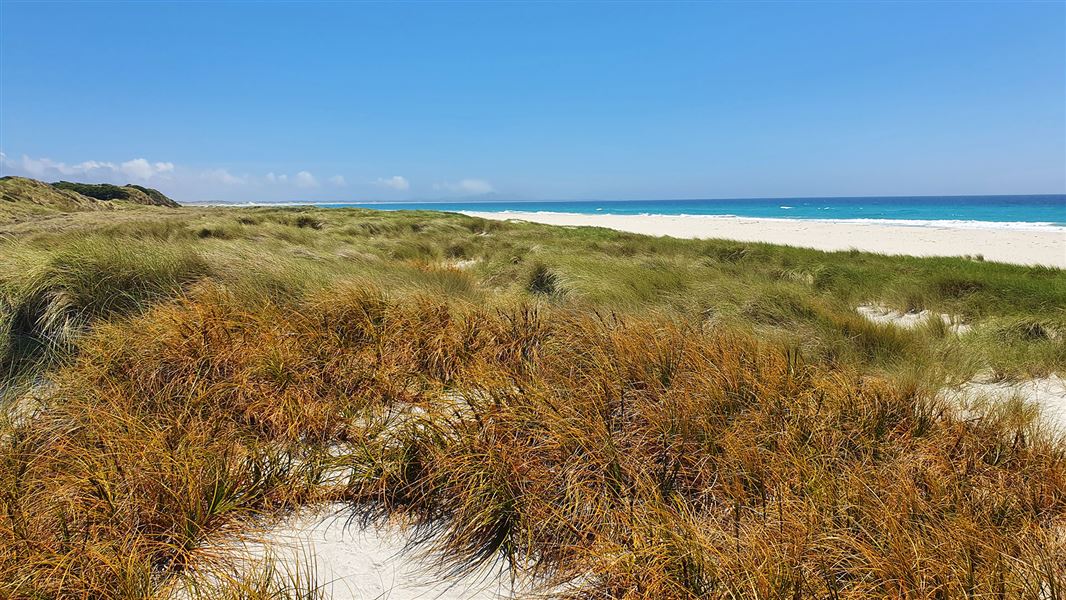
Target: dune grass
[[59, 291], [622, 456], [613, 416], [805, 297]]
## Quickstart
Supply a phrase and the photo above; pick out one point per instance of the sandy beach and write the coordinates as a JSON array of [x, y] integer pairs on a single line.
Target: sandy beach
[[1018, 246]]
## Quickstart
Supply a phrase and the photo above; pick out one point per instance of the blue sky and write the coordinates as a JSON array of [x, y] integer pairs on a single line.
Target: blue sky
[[294, 101]]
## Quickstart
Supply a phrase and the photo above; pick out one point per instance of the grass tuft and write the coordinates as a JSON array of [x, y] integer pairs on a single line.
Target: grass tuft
[[543, 280]]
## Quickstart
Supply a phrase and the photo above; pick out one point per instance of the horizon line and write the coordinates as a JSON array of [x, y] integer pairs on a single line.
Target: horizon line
[[469, 200]]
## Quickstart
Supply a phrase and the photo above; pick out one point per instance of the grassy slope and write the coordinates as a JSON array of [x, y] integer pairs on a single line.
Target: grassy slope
[[802, 297], [24, 199], [656, 417], [134, 194]]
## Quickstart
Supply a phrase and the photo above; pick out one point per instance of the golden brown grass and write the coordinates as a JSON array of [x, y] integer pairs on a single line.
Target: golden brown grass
[[617, 457]]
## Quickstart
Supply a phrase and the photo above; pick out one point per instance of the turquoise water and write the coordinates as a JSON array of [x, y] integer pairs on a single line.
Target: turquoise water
[[1020, 211]]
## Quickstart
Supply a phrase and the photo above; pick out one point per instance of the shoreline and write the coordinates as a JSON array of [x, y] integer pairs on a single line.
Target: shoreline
[[928, 223], [1020, 246]]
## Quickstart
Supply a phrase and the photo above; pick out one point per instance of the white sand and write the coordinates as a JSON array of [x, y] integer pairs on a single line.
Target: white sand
[[1047, 395], [1043, 246], [355, 562], [909, 320]]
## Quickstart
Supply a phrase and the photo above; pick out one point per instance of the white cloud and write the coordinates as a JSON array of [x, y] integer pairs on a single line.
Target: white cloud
[[224, 177], [338, 180], [90, 165], [43, 167], [46, 168], [395, 182], [467, 186], [302, 179], [138, 168], [305, 179], [142, 169], [38, 168]]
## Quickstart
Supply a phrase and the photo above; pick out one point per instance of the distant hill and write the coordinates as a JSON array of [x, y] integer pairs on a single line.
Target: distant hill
[[105, 191], [23, 199]]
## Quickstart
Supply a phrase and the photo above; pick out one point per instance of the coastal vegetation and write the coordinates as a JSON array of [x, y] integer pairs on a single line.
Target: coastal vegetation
[[104, 191], [24, 199], [608, 415]]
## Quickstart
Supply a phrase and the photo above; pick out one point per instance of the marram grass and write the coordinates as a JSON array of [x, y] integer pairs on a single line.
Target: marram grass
[[610, 415], [607, 456]]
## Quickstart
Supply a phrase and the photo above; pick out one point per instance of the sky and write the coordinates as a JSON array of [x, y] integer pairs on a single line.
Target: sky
[[263, 102]]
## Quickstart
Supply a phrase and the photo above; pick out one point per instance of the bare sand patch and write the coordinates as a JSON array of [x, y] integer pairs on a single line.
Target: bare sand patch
[[1047, 395], [464, 263], [909, 320], [351, 560]]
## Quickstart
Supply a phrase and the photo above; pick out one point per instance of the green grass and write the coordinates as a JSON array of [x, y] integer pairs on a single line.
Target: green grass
[[59, 291], [802, 297]]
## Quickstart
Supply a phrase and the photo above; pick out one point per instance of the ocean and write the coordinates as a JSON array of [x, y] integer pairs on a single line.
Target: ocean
[[1028, 212]]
